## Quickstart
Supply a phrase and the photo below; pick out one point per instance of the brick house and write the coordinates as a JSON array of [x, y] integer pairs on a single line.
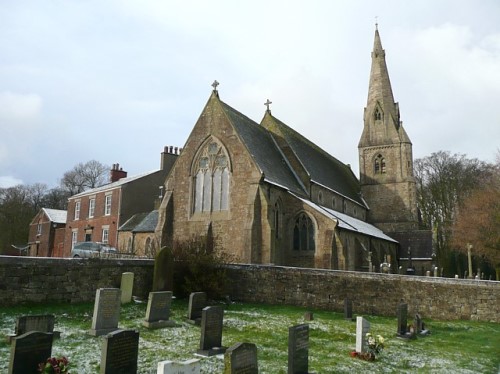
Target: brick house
[[46, 233], [268, 195], [95, 214]]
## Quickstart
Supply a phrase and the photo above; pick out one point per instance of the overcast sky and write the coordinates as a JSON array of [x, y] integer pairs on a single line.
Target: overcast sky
[[116, 81]]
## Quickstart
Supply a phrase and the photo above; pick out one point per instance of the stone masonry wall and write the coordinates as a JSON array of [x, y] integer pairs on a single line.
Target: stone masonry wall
[[32, 280], [29, 280]]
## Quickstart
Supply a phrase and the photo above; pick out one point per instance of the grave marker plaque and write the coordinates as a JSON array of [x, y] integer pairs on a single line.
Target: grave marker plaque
[[158, 310], [29, 350], [211, 331], [362, 328], [298, 349], [119, 352], [106, 311], [241, 358], [197, 301], [192, 366]]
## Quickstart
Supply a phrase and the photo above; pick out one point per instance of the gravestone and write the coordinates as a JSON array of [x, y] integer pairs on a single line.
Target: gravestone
[[163, 271], [127, 287], [158, 310], [119, 352], [298, 349], [41, 323], [362, 328], [241, 358], [420, 326], [211, 331], [402, 314], [192, 366], [348, 310], [308, 316], [106, 311], [197, 301], [29, 350]]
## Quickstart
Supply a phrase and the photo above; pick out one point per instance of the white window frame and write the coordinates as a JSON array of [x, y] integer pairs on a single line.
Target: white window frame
[[105, 235], [91, 207], [78, 205], [39, 229], [74, 238], [107, 205]]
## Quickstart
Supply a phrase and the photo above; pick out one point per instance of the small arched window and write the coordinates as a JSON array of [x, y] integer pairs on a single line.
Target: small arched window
[[377, 114], [303, 234], [379, 165]]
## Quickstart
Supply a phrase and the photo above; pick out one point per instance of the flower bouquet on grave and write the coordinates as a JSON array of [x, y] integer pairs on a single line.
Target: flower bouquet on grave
[[54, 365]]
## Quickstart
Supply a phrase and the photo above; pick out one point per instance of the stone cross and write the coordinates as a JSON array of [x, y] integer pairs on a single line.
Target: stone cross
[[215, 84], [267, 104]]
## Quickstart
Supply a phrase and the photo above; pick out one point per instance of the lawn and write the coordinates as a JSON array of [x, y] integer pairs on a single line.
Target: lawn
[[452, 347]]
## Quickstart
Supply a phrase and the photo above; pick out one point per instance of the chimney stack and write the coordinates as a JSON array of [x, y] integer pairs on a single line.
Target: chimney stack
[[117, 173], [168, 157]]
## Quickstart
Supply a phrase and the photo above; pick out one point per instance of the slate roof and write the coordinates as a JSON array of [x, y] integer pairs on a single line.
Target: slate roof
[[56, 215], [323, 168], [141, 222], [264, 150], [349, 223]]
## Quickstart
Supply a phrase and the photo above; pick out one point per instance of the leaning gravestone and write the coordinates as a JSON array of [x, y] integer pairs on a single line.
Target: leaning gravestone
[[29, 350], [298, 349], [119, 352], [241, 358], [127, 287], [106, 311], [192, 366], [42, 323], [211, 331], [348, 310], [197, 301], [362, 328], [158, 310]]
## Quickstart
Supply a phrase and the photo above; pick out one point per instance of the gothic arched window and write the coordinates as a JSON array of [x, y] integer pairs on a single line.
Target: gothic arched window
[[377, 114], [277, 219], [303, 234], [379, 165], [211, 178]]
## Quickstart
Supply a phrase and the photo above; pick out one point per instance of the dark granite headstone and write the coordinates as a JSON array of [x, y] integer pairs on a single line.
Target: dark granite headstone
[[211, 331], [41, 323], [348, 310], [29, 350], [158, 310], [298, 349], [106, 311], [403, 331], [241, 358], [163, 271], [197, 301], [119, 352]]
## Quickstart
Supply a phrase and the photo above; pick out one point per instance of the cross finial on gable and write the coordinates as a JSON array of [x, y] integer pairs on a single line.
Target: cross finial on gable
[[267, 104], [214, 85]]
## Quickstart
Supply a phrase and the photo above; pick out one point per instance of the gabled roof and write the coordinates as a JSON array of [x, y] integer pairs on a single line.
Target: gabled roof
[[141, 222], [264, 151], [323, 168], [349, 223], [55, 215], [113, 185]]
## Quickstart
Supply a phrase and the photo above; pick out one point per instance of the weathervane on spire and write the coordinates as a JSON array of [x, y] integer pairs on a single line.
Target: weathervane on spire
[[214, 85], [267, 104], [376, 23]]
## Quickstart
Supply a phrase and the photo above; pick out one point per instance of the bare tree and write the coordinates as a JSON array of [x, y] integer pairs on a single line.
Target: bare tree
[[84, 176]]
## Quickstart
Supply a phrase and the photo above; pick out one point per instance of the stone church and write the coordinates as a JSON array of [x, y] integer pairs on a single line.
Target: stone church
[[268, 195]]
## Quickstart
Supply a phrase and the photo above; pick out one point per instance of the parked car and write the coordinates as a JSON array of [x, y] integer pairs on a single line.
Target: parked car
[[90, 249]]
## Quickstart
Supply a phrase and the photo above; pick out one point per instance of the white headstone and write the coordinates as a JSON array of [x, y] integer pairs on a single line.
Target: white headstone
[[127, 286], [362, 328], [173, 367]]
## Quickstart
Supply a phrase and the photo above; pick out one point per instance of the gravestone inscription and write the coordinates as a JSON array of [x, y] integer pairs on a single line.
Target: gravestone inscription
[[241, 358], [298, 349], [362, 328], [197, 301], [106, 311], [119, 352], [29, 350], [211, 331], [158, 310]]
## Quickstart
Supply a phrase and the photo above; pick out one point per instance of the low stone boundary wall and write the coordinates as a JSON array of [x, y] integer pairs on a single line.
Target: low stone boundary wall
[[371, 293], [27, 280]]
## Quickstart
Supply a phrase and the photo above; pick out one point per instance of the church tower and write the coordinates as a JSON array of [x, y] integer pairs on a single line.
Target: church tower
[[385, 155]]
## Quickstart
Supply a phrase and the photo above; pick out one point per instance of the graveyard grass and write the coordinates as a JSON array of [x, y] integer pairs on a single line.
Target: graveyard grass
[[452, 347]]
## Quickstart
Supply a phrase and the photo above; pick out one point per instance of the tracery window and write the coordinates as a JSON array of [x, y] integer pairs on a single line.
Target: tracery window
[[379, 165], [303, 234], [211, 178], [377, 115]]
